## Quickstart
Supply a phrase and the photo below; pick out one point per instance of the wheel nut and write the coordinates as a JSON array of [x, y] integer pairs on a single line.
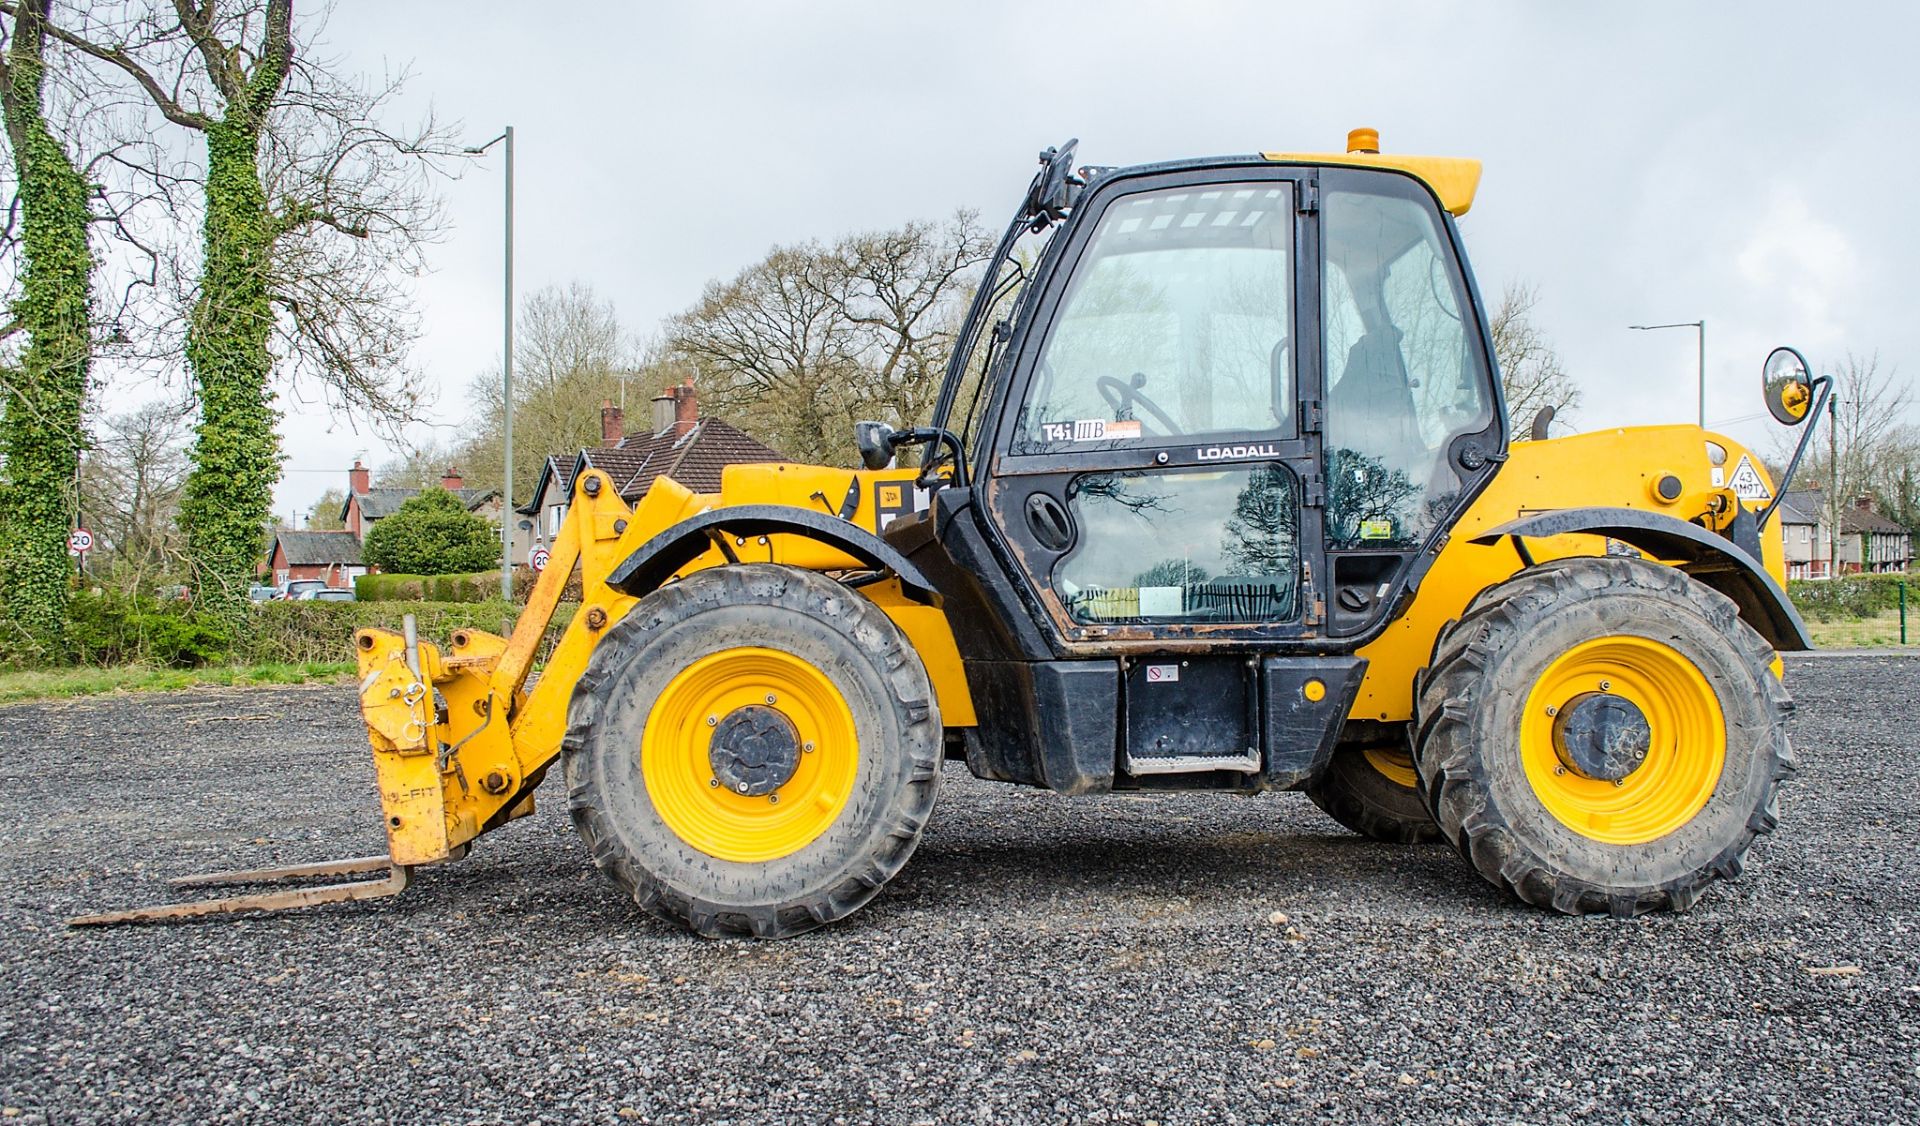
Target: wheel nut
[[713, 721], [773, 799], [1619, 782], [742, 787], [715, 782], [807, 747], [1559, 770], [1606, 686], [1551, 710], [770, 698]]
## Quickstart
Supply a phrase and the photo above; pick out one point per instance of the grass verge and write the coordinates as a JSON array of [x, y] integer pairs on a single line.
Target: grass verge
[[47, 684], [1877, 632]]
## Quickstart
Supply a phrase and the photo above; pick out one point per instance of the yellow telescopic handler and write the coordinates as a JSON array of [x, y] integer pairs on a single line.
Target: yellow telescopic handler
[[1219, 493]]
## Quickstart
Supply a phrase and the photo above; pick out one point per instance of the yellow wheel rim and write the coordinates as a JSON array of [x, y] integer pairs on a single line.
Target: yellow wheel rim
[[1397, 765], [1685, 753], [677, 754]]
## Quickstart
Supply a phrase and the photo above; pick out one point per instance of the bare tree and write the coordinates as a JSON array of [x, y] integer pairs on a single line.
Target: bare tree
[[310, 212], [130, 485], [1531, 375], [802, 344], [570, 356]]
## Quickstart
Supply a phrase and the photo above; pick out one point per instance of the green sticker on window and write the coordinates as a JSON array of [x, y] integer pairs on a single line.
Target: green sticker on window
[[1376, 529]]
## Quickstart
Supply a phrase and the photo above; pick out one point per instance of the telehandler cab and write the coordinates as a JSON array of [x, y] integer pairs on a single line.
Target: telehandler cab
[[1218, 494]]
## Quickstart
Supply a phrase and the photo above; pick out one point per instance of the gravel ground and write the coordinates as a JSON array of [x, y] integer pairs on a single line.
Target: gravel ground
[[1041, 959]]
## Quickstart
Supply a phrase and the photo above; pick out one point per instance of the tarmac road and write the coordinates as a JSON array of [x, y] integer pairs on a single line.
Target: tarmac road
[[1041, 959]]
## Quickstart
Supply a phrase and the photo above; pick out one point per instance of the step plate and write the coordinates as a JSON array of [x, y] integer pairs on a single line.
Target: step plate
[[1248, 763]]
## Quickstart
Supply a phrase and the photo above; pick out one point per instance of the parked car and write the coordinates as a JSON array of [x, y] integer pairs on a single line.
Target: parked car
[[263, 593], [295, 589], [327, 594]]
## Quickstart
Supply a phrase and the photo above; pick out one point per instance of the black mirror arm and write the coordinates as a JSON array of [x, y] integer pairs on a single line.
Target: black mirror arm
[[929, 435], [1823, 387]]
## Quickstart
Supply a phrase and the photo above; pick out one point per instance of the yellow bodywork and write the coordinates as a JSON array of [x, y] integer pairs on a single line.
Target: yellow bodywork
[[460, 741]]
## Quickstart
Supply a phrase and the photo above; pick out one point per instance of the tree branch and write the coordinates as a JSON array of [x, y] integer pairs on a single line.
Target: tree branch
[[169, 108]]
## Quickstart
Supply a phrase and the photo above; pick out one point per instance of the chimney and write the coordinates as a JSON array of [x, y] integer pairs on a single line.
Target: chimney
[[451, 479], [663, 411], [686, 408], [359, 480], [1864, 502], [613, 423]]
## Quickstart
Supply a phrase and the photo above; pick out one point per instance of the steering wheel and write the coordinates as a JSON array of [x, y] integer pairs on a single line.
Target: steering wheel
[[1121, 396]]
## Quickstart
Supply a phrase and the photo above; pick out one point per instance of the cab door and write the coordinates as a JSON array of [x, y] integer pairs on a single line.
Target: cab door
[[1156, 469]]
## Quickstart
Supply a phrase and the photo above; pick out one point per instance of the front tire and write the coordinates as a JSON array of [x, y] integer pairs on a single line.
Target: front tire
[[1373, 790], [753, 750], [1602, 734]]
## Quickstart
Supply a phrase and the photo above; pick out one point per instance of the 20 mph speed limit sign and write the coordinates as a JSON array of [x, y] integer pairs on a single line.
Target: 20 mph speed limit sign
[[537, 559], [79, 542]]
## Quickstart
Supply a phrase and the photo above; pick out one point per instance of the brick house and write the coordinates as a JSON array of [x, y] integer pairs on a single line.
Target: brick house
[[333, 557], [1869, 541], [680, 444], [367, 505]]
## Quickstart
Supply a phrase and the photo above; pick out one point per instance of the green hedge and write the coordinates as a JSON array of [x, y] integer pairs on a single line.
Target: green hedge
[[1854, 596], [323, 631], [115, 629], [480, 586]]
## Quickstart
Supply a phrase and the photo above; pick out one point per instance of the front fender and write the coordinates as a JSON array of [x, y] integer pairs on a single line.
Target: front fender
[[1713, 559], [656, 560]]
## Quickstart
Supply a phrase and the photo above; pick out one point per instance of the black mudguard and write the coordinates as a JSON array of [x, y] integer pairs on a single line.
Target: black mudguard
[[655, 561], [1715, 560]]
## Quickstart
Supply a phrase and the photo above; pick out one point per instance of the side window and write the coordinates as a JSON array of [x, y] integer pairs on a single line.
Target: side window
[[1403, 375], [1175, 324], [1205, 546]]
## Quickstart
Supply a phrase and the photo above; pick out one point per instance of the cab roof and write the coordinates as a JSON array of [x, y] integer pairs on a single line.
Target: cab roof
[[1453, 179]]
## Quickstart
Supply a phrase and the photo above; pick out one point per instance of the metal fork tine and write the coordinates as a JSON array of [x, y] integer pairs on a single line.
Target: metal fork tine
[[357, 866], [394, 884]]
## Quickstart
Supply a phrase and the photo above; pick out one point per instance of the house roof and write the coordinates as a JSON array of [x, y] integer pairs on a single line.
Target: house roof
[[1801, 508], [694, 459], [382, 501], [1854, 520], [307, 549]]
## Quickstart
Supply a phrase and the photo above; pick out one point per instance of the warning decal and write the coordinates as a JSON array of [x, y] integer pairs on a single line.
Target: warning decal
[[1746, 482]]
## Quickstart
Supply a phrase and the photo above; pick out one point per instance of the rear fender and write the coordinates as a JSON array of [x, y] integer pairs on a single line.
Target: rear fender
[[1712, 558]]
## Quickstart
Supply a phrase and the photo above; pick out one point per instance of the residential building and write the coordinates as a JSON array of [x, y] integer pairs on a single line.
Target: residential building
[[1868, 540], [367, 505], [679, 444], [333, 557]]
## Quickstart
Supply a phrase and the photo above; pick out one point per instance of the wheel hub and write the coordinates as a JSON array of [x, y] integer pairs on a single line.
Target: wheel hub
[[1601, 736], [754, 750]]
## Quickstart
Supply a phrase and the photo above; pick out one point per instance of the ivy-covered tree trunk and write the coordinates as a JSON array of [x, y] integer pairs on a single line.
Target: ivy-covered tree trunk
[[40, 430], [236, 453]]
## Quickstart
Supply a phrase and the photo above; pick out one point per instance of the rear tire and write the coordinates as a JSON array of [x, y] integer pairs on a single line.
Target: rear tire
[[1602, 829], [1373, 791], [830, 711]]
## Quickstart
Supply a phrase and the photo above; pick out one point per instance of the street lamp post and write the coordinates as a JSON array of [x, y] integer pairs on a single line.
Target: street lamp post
[[1700, 324], [506, 376]]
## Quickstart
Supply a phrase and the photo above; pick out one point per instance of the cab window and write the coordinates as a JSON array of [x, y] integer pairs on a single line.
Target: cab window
[[1175, 324], [1404, 372]]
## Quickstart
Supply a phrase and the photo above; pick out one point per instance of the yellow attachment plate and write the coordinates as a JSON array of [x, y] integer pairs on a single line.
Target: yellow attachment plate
[[1454, 179], [1684, 759], [674, 755]]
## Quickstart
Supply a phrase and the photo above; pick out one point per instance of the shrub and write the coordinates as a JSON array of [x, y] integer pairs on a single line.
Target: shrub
[[123, 629], [1854, 596], [431, 534]]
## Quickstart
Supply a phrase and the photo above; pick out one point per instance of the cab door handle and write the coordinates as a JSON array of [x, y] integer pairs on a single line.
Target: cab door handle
[[1049, 522]]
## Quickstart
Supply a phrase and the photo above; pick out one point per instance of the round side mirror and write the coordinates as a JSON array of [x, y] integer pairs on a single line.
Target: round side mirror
[[875, 442], [1787, 385]]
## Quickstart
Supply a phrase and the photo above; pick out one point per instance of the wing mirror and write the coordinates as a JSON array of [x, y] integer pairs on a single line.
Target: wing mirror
[[875, 441], [1787, 385]]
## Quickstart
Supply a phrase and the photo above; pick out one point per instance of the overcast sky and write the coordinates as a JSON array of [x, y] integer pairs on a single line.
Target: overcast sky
[[1747, 163]]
